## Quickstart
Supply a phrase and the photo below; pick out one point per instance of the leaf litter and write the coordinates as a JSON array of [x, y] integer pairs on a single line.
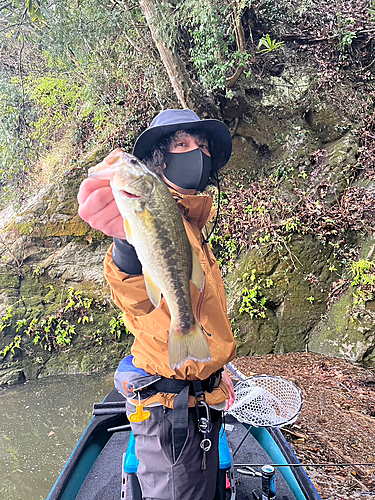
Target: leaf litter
[[337, 421]]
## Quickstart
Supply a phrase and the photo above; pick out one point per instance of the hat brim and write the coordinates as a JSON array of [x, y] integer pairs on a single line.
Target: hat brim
[[217, 131]]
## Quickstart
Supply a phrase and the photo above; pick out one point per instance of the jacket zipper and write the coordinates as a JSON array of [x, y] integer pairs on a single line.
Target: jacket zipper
[[201, 295], [200, 302]]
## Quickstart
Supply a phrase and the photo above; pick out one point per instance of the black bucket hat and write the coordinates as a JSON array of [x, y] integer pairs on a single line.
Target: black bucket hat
[[171, 120]]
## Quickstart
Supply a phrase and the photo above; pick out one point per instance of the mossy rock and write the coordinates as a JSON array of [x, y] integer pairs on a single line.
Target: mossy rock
[[11, 376], [54, 212], [327, 122], [9, 279], [244, 164], [348, 330], [285, 91], [332, 171], [86, 359], [258, 336], [344, 335], [38, 299], [295, 287]]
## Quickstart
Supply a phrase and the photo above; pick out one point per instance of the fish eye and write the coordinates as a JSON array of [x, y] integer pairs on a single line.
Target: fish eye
[[133, 161]]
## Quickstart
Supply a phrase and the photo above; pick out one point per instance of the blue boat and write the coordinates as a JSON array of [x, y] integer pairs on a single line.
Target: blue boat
[[98, 469]]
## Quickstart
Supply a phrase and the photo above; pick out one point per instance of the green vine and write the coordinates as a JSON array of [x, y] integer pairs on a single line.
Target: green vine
[[118, 327], [15, 344], [5, 320], [363, 272], [253, 302]]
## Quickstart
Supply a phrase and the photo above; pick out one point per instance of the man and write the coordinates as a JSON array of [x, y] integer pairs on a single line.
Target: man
[[177, 442]]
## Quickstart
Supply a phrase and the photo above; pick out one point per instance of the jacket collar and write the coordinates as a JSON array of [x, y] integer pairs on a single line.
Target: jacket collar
[[197, 209]]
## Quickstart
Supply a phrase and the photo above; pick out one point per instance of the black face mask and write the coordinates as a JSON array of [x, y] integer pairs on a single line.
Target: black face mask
[[188, 170]]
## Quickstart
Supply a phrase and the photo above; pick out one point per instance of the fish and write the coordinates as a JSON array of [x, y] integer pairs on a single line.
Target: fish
[[154, 226]]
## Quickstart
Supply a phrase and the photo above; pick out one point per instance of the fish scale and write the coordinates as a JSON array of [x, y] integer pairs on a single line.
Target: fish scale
[[168, 250]]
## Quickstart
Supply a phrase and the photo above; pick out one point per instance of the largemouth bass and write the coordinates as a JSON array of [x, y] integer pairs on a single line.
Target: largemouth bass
[[153, 225]]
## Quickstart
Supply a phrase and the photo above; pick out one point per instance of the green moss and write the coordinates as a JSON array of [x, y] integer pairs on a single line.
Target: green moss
[[343, 334], [85, 358], [327, 122], [9, 279], [293, 304], [50, 297], [74, 227]]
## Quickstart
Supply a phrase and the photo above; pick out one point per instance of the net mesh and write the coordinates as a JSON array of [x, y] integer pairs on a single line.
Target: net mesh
[[266, 401]]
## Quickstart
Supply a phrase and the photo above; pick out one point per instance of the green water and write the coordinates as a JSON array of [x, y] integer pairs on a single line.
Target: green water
[[40, 423]]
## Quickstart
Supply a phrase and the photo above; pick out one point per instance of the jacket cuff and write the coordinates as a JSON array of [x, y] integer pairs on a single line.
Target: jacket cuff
[[125, 257]]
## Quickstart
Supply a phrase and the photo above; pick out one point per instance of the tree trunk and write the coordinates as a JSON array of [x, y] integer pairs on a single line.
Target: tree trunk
[[178, 76]]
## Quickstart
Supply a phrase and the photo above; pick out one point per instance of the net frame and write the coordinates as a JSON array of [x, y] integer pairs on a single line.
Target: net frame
[[266, 401]]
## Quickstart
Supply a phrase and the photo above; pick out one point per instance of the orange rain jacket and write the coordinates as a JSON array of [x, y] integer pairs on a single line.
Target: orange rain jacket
[[150, 326]]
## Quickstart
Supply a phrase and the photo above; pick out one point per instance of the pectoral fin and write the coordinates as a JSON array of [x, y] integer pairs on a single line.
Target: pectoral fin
[[197, 274], [153, 292], [128, 232]]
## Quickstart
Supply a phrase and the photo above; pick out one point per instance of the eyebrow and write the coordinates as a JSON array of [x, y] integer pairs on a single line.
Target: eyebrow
[[180, 134]]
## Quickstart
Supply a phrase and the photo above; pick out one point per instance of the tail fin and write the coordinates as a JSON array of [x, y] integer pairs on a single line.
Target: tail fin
[[192, 345]]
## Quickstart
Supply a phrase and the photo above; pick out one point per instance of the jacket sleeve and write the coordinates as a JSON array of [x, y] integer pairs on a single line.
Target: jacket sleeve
[[125, 257], [128, 290]]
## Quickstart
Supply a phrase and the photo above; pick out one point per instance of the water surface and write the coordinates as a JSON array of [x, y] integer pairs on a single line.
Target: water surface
[[40, 424]]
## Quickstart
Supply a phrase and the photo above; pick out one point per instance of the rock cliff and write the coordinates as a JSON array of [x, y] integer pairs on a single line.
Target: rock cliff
[[295, 241]]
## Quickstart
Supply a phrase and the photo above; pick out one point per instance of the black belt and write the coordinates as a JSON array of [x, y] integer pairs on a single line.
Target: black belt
[[174, 386], [183, 388]]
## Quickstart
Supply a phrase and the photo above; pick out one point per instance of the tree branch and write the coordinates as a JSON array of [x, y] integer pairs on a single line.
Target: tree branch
[[11, 253], [241, 44], [9, 27], [176, 71], [134, 45]]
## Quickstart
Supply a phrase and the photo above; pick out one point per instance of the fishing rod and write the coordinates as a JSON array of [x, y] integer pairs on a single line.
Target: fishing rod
[[340, 464]]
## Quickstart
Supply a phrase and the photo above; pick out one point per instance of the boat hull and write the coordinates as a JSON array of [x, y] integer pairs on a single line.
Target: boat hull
[[94, 469]]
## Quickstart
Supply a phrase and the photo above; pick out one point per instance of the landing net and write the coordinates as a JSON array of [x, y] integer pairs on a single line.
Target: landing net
[[266, 401]]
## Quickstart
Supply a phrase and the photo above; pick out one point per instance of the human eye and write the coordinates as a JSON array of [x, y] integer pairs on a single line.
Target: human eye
[[204, 147]]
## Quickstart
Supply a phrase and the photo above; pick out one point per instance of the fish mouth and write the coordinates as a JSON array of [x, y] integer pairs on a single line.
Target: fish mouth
[[128, 195]]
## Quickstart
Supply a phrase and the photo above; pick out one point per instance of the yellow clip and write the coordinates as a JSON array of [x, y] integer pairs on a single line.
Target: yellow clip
[[140, 415]]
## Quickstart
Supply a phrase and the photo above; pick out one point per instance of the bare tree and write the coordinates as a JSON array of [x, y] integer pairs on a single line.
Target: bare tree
[[183, 87]]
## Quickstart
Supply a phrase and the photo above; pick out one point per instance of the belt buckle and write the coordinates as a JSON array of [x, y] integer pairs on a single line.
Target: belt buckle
[[204, 423]]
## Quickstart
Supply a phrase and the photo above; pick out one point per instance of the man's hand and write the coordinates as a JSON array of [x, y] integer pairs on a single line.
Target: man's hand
[[98, 208], [229, 384]]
